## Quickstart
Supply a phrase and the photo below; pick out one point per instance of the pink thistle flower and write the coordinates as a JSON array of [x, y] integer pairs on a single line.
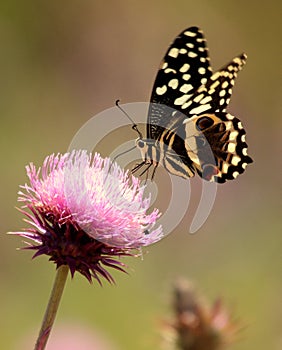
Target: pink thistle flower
[[85, 211]]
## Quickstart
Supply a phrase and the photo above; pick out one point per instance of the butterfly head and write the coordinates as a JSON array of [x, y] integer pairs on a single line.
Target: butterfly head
[[150, 154], [142, 146], [145, 148]]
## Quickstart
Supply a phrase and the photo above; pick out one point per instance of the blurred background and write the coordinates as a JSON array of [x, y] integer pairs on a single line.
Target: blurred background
[[63, 62]]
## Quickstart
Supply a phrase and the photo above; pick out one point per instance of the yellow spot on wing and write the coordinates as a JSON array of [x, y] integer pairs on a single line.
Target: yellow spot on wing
[[180, 100], [202, 70], [173, 83], [186, 76], [192, 54], [206, 100], [173, 52], [184, 68], [188, 33], [198, 98], [231, 147], [200, 109], [235, 160], [161, 90], [185, 88]]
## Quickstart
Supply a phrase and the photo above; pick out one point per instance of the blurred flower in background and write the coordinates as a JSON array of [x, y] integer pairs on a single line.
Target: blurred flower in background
[[84, 212], [72, 337], [197, 326]]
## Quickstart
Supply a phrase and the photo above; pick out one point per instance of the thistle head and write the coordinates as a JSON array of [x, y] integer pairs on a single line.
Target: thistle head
[[85, 212]]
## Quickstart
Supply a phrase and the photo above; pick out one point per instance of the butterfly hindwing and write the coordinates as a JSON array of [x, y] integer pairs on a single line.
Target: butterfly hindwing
[[217, 146]]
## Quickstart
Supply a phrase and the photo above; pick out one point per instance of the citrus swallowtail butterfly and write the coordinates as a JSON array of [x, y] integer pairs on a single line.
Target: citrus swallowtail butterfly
[[188, 128]]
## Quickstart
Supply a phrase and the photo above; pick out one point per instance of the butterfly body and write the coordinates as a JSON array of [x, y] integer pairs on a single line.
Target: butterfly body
[[188, 128]]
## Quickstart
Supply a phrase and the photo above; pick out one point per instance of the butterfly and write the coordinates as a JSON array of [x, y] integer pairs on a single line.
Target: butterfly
[[188, 128]]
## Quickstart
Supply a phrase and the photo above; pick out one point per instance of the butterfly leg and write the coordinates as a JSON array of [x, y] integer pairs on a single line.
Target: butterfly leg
[[146, 169], [154, 170], [137, 167]]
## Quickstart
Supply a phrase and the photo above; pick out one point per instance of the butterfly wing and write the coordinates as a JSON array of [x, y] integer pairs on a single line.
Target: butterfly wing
[[199, 136], [217, 146], [215, 95], [184, 68]]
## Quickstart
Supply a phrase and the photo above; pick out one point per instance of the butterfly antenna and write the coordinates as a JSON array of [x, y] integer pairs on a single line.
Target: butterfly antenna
[[122, 153], [134, 126]]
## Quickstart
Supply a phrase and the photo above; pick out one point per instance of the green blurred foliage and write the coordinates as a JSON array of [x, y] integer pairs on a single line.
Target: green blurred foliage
[[63, 62]]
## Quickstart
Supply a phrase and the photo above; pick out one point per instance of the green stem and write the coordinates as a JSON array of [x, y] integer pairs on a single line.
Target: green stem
[[51, 311]]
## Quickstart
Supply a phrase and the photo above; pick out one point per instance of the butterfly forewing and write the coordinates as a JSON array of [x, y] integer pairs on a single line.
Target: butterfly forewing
[[183, 70], [215, 95]]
